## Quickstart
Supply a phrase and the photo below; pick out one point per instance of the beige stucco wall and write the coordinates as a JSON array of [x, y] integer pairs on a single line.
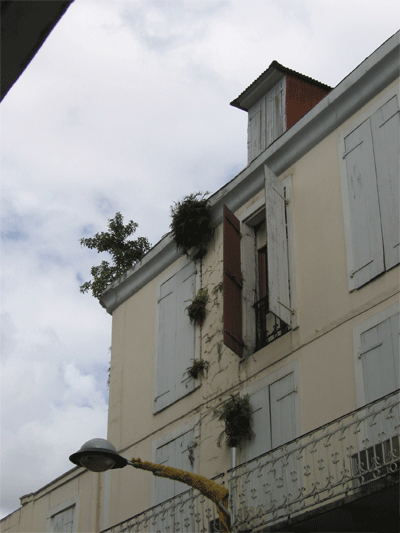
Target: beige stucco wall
[[78, 487]]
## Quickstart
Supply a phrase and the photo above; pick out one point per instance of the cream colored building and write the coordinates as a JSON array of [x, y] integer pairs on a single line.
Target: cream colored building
[[303, 278]]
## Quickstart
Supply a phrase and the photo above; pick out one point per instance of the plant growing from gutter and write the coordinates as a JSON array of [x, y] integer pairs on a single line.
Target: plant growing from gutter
[[236, 413], [198, 368], [197, 308], [191, 225]]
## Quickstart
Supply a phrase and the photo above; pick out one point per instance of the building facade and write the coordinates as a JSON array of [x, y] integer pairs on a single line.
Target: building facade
[[302, 275]]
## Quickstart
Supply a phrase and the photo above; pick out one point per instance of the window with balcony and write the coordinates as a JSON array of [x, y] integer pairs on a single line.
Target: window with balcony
[[369, 157], [259, 289]]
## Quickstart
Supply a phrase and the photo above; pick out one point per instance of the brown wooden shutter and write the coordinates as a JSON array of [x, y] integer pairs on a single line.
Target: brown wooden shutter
[[232, 284]]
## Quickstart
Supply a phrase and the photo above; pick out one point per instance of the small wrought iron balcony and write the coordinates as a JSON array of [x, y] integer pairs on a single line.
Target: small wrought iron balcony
[[337, 459], [268, 326]]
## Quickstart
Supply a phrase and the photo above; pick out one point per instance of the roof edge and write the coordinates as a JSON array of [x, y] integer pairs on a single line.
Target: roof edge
[[366, 81], [267, 80]]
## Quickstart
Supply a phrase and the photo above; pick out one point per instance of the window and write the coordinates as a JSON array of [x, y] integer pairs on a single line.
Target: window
[[63, 518], [176, 337], [276, 421], [266, 251], [177, 449], [266, 120], [369, 156], [272, 405], [376, 356]]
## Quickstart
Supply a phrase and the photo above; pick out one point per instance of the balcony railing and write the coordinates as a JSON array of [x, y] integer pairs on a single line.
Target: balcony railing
[[268, 326], [188, 512], [318, 467]]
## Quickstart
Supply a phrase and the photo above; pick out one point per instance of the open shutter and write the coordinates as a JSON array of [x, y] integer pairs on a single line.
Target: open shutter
[[385, 134], [365, 238], [277, 243], [283, 413], [232, 283], [254, 135]]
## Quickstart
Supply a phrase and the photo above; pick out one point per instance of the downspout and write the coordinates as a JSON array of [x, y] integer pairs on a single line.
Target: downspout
[[233, 492]]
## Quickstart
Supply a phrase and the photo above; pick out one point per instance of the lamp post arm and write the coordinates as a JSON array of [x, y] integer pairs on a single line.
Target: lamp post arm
[[213, 491]]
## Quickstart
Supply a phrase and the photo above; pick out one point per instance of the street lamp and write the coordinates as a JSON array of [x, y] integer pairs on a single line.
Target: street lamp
[[99, 455]]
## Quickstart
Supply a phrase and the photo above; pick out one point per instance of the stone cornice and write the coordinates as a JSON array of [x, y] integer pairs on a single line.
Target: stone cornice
[[358, 88]]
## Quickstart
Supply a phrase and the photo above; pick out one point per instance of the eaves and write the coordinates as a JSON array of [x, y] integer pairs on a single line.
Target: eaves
[[375, 73]]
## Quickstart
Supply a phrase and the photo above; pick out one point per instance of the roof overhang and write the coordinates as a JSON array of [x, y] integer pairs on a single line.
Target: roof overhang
[[266, 81], [25, 25]]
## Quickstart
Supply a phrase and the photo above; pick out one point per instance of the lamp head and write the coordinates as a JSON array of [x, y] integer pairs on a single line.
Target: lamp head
[[98, 455]]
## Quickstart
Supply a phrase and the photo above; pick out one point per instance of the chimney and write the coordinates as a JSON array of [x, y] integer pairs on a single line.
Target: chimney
[[275, 101]]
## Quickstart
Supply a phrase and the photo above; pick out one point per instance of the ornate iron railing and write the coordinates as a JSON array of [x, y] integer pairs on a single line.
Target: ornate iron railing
[[268, 326], [318, 467], [321, 466], [185, 513]]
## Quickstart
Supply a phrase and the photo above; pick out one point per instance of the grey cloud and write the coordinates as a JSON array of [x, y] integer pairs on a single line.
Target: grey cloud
[[162, 26]]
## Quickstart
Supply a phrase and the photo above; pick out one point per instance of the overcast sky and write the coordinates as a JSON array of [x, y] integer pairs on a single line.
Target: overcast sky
[[126, 108]]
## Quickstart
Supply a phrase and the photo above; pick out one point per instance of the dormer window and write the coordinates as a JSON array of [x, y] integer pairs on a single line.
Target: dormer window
[[275, 102]]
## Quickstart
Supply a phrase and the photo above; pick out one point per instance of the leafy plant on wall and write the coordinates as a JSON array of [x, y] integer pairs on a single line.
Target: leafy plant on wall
[[198, 368], [191, 225], [236, 414], [197, 308]]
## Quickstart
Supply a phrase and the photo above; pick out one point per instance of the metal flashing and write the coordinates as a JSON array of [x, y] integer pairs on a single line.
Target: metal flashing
[[266, 81]]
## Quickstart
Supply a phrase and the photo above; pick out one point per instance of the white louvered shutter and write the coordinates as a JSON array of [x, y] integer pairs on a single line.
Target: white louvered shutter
[[185, 331], [283, 412], [385, 135], [176, 337], [277, 247], [380, 359], [261, 425], [275, 117], [254, 134], [165, 391], [366, 246], [176, 454]]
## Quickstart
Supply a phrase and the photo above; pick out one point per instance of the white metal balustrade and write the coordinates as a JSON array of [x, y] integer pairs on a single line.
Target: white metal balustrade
[[187, 513], [318, 467]]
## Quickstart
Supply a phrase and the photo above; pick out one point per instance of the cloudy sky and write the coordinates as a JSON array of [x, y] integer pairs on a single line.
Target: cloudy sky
[[125, 108]]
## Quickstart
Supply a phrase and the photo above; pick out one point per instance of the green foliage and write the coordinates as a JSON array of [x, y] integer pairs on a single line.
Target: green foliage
[[191, 225], [236, 413], [198, 368], [197, 309], [124, 253]]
